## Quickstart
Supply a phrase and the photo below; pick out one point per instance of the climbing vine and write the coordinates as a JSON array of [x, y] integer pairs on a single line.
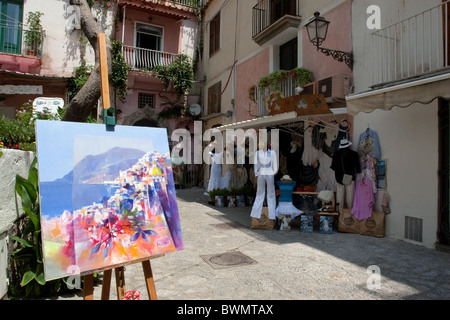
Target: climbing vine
[[180, 73], [119, 77]]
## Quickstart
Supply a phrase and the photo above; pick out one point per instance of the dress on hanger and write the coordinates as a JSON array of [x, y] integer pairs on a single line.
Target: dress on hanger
[[310, 154]]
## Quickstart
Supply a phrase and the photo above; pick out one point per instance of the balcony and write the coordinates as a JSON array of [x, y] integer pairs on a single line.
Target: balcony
[[275, 20], [170, 7], [413, 47], [18, 41], [285, 88], [146, 59]]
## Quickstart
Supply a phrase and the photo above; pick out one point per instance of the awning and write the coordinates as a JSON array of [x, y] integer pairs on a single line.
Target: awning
[[276, 120], [424, 90]]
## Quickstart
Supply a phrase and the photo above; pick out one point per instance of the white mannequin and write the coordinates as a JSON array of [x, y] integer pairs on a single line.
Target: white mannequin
[[266, 166]]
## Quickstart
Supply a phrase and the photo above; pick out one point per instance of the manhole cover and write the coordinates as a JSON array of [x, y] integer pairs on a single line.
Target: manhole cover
[[228, 260]]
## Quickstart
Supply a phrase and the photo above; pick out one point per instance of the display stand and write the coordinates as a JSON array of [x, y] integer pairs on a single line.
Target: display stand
[[109, 121], [88, 288]]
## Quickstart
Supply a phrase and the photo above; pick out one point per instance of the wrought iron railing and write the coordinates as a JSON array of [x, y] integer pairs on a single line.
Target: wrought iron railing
[[267, 12], [189, 3], [22, 42], [146, 59], [286, 88], [414, 46]]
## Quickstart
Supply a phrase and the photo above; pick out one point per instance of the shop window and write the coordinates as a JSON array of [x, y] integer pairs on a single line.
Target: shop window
[[214, 34], [11, 26], [288, 55], [214, 98], [146, 100]]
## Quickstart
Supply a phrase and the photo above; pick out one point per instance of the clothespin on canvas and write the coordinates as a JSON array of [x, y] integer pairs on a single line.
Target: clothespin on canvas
[[108, 112]]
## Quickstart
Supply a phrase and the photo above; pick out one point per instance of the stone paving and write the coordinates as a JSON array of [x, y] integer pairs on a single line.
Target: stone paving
[[281, 265]]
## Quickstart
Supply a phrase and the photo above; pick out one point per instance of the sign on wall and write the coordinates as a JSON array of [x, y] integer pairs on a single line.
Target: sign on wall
[[12, 89]]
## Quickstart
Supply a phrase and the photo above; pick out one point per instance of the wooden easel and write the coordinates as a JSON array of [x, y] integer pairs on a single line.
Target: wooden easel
[[119, 271], [120, 283]]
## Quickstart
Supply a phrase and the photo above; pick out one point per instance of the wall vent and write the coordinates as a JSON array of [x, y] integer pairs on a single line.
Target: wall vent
[[413, 229]]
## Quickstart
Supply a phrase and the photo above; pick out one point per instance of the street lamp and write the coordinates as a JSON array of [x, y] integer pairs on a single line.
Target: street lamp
[[317, 29]]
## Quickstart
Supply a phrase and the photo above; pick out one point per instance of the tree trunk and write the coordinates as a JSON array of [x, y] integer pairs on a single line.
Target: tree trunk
[[86, 99]]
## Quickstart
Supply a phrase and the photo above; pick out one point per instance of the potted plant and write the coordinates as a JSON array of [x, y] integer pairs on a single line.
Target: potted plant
[[33, 36], [302, 75], [249, 193]]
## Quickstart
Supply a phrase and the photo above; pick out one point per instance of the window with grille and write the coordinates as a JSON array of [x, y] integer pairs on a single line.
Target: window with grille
[[146, 100]]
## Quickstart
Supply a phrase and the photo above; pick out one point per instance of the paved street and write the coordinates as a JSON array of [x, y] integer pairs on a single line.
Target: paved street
[[280, 265]]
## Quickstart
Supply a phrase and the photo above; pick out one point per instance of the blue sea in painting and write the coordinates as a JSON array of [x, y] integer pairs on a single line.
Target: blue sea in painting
[[57, 196]]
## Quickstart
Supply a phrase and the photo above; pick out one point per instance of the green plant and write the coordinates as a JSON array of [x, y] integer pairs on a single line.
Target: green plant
[[81, 76], [28, 255], [120, 70], [303, 76], [273, 80], [180, 73], [19, 133], [215, 192], [33, 36]]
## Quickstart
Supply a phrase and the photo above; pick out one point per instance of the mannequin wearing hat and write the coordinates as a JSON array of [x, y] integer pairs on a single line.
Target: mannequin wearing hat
[[285, 206], [265, 167], [345, 162]]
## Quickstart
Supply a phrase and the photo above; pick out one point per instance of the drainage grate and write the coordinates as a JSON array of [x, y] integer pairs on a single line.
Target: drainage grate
[[413, 229], [228, 260]]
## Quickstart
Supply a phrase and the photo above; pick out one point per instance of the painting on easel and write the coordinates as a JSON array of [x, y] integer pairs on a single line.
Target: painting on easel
[[107, 196]]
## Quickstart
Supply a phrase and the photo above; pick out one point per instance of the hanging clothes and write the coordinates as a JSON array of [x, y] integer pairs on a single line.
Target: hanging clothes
[[310, 154], [369, 144], [342, 134], [327, 179], [363, 200], [365, 189]]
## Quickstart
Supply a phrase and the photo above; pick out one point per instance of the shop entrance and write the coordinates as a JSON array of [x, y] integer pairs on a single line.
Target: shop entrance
[[444, 174]]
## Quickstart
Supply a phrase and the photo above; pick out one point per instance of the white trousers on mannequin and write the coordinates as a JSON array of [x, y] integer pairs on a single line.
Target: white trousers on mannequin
[[262, 181], [345, 192]]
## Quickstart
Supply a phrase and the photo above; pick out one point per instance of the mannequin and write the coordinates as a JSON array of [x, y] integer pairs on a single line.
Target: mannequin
[[215, 177], [285, 206], [345, 161], [265, 167]]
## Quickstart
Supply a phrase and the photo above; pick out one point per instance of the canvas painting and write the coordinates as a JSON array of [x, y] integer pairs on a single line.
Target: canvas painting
[[107, 196]]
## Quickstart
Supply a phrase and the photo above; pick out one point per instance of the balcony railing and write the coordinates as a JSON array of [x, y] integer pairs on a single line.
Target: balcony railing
[[19, 41], [146, 59], [189, 3], [414, 46], [267, 12], [287, 87]]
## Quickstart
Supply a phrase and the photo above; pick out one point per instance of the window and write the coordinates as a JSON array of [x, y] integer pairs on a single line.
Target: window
[[146, 100], [288, 55], [214, 34], [214, 98], [10, 21], [149, 37], [280, 8]]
